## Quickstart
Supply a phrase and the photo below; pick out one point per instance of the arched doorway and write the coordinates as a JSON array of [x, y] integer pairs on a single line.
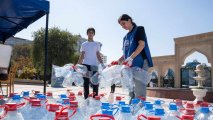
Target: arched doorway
[[187, 70]]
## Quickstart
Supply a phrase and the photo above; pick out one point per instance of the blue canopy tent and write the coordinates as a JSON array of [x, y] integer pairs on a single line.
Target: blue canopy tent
[[16, 15]]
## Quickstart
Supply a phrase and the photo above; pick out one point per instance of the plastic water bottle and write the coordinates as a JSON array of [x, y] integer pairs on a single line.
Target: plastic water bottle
[[78, 79], [37, 111], [147, 110], [11, 112], [125, 113], [179, 104], [75, 112], [51, 108], [127, 79], [80, 99], [67, 82], [160, 113], [16, 99], [105, 115], [82, 69], [103, 97], [95, 79], [172, 113], [158, 103], [61, 115], [50, 99], [204, 114], [140, 73], [26, 94], [135, 106], [111, 98]]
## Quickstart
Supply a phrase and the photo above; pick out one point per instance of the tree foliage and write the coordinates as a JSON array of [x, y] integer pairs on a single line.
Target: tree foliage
[[61, 48]]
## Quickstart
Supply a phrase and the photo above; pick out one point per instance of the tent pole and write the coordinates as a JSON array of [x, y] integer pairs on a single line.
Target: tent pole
[[45, 52]]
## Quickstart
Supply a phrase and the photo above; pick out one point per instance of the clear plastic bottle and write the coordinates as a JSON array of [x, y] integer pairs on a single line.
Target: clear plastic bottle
[[61, 115], [37, 111], [158, 103], [147, 110], [135, 106], [75, 112], [50, 99], [125, 113], [51, 108], [204, 114], [173, 112], [16, 99], [11, 112]]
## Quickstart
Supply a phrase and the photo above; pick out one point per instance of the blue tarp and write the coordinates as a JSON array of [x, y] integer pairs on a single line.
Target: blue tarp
[[16, 15]]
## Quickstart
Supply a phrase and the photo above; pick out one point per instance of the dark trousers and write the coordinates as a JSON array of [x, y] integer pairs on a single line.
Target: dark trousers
[[87, 83], [113, 88]]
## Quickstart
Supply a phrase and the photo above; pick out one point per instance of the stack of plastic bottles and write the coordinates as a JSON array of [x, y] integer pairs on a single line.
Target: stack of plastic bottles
[[71, 106]]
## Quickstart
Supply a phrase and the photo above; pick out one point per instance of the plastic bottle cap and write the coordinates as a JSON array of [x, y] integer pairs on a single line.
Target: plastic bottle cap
[[159, 111], [80, 93], [97, 97], [63, 96], [49, 94], [189, 105], [118, 98], [54, 107], [204, 104], [157, 102], [204, 110], [187, 117], [172, 107], [16, 97], [148, 106], [135, 101], [104, 118], [72, 98], [36, 92], [74, 102], [121, 102], [189, 111], [102, 95], [1, 97], [125, 109], [35, 102], [142, 98], [90, 95], [107, 112], [153, 118], [65, 100], [26, 93], [63, 113], [41, 97], [11, 106], [71, 94]]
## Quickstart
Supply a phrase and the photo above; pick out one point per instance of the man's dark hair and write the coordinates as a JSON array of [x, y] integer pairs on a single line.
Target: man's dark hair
[[91, 29]]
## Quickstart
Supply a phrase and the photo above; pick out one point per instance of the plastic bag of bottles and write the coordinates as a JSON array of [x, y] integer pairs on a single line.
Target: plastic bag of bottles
[[81, 69], [63, 71], [127, 79], [141, 74], [78, 79], [67, 82]]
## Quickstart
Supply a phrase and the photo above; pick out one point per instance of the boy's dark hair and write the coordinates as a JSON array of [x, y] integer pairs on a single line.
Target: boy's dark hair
[[91, 29], [125, 17]]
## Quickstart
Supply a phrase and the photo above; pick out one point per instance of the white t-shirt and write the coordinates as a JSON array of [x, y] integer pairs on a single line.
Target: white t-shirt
[[90, 49]]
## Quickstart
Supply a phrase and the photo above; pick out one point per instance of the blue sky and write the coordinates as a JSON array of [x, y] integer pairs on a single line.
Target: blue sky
[[163, 20]]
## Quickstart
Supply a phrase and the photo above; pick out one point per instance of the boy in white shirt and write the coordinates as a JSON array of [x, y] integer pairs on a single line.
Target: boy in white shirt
[[90, 57]]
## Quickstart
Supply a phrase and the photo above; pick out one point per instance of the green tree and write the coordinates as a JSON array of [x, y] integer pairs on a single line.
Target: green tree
[[61, 48]]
